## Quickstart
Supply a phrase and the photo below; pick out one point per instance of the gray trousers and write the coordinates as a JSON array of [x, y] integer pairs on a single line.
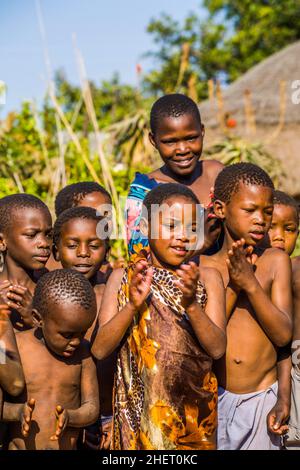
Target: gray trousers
[[242, 420]]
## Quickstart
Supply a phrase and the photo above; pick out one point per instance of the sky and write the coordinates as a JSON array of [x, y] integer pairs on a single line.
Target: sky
[[111, 34]]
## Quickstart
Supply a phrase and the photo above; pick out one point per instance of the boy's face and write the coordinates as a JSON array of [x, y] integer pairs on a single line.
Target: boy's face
[[284, 231], [79, 247], [176, 232], [95, 200], [179, 142], [28, 240], [248, 214], [63, 331]]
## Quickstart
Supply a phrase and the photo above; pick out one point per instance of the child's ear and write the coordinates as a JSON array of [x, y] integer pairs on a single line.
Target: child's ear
[[219, 209], [55, 253], [37, 319], [144, 226], [202, 130], [2, 242], [152, 140]]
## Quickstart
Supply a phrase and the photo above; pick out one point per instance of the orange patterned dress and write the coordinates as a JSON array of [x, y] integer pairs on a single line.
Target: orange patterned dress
[[165, 392]]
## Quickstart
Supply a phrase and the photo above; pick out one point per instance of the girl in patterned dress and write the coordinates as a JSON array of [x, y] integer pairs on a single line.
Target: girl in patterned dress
[[169, 326]]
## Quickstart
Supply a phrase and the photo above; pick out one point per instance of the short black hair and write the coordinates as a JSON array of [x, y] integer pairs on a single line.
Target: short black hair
[[63, 285], [72, 195], [285, 199], [20, 201], [173, 105], [227, 181], [80, 212], [163, 192]]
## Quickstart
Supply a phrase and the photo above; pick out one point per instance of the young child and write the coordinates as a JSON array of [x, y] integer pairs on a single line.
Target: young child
[[77, 246], [25, 245], [283, 235], [84, 193], [177, 133], [169, 328], [258, 307], [61, 384]]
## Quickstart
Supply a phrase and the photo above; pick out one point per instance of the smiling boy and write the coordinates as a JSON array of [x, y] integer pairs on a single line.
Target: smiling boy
[[177, 133], [258, 307]]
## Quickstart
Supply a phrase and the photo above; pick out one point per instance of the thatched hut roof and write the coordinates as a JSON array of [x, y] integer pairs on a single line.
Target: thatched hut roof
[[263, 82]]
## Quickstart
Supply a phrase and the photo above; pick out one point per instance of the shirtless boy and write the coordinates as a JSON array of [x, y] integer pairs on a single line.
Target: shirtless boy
[[61, 384], [258, 307]]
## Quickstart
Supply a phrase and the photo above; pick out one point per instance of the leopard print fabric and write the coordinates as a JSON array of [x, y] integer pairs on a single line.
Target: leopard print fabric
[[163, 288]]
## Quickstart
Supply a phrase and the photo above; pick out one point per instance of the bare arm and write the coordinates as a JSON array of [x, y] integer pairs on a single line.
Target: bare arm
[[274, 312], [113, 324], [231, 300], [88, 412], [209, 324], [11, 372], [278, 416], [296, 330]]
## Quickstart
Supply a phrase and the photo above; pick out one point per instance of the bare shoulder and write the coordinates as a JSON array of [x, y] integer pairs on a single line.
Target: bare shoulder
[[210, 275], [208, 261], [205, 261], [275, 255], [25, 337], [212, 167]]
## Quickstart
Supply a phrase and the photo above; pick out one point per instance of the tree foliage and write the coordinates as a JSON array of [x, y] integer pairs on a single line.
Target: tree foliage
[[222, 44]]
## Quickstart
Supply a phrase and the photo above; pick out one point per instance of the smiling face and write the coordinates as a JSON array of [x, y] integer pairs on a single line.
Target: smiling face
[[284, 231], [28, 239], [248, 214], [63, 331], [79, 247], [179, 142], [177, 231]]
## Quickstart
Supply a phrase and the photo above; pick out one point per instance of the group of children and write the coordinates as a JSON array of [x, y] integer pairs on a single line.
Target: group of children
[[190, 346]]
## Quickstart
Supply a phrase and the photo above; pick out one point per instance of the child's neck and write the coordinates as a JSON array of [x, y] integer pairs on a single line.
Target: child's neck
[[154, 261], [184, 179], [16, 274]]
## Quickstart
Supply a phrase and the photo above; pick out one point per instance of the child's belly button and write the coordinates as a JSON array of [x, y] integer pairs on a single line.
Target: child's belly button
[[237, 360]]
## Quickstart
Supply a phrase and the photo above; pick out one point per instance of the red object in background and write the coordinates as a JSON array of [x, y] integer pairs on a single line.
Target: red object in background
[[138, 69], [230, 122]]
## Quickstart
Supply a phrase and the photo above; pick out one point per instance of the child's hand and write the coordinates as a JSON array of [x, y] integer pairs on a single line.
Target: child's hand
[[140, 284], [20, 299], [189, 275], [240, 265], [277, 418], [26, 416], [106, 435], [4, 285], [62, 419]]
